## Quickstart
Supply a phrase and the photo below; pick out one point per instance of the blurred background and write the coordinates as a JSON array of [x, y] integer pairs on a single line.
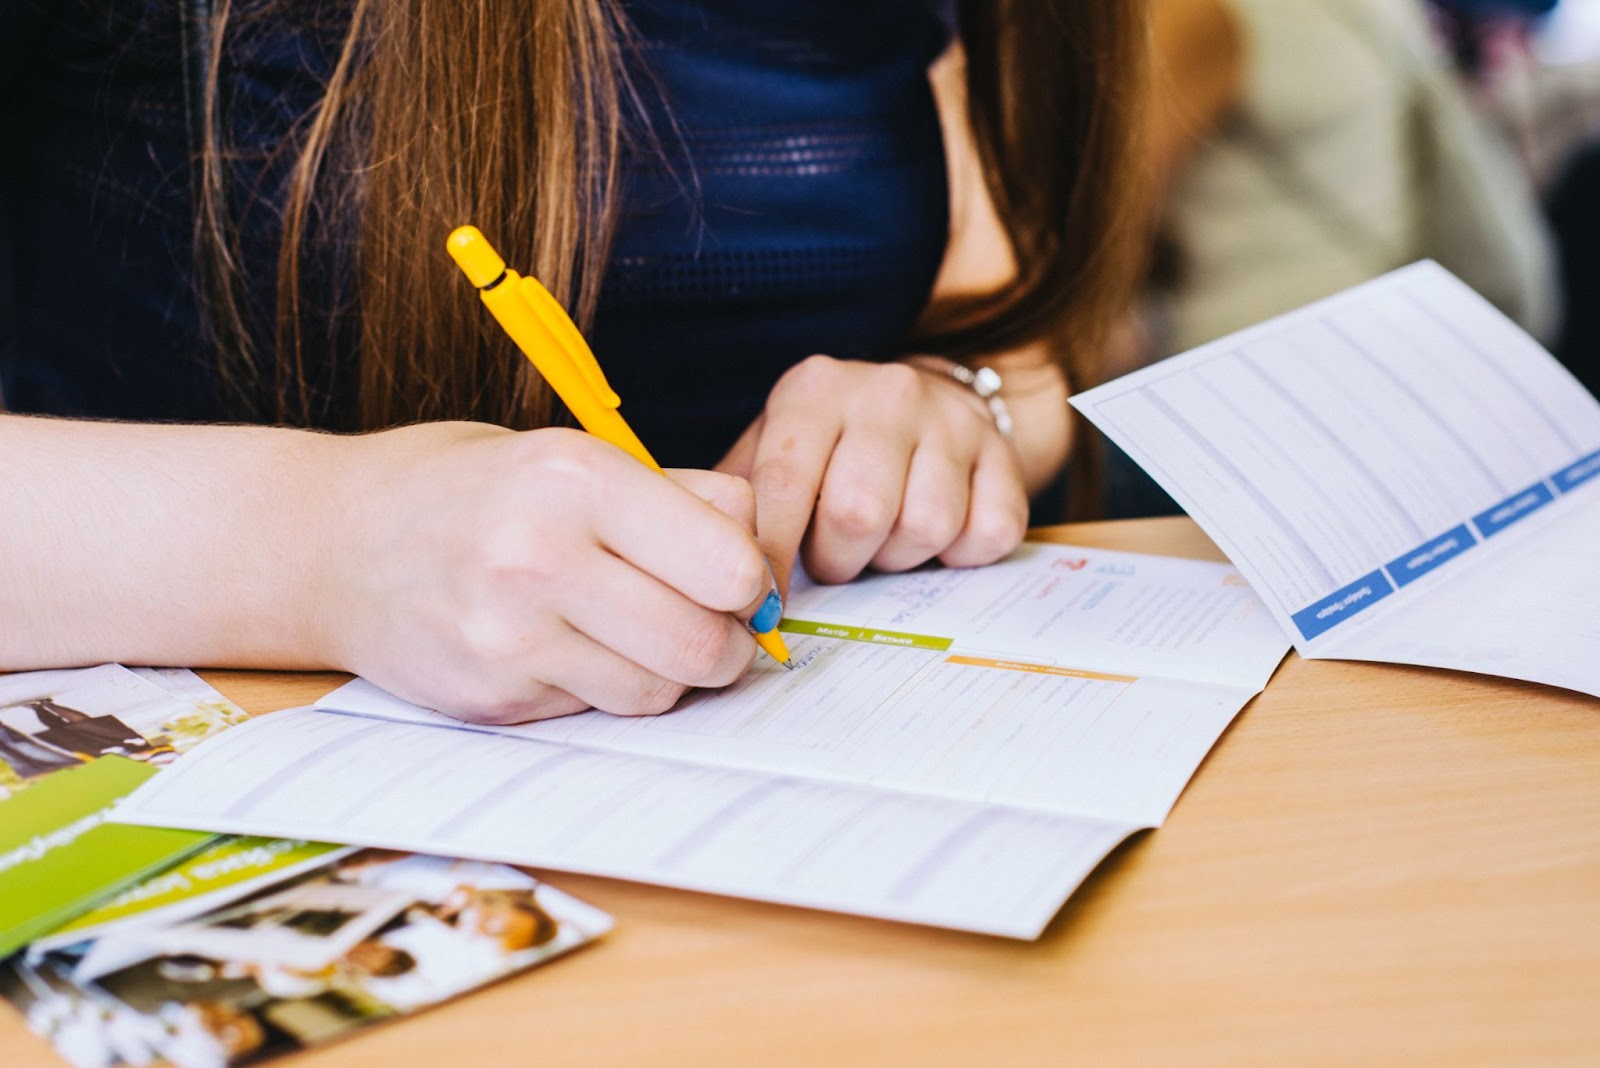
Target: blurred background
[[1298, 147]]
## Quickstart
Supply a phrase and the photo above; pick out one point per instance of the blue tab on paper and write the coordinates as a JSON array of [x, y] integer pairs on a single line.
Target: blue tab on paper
[[1430, 554], [1340, 605], [1513, 508], [1574, 475]]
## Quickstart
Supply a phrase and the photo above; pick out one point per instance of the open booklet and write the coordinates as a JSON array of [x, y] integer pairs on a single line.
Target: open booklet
[[1404, 475], [958, 748]]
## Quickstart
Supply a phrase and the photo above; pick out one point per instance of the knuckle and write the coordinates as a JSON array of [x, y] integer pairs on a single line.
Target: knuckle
[[831, 571], [488, 640], [744, 570], [811, 375], [512, 546], [704, 649], [996, 532], [929, 525], [656, 697], [734, 666], [564, 458], [897, 385], [736, 497], [737, 501], [857, 512]]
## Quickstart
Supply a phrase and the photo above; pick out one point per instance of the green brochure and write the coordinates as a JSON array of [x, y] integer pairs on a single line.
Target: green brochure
[[58, 855], [72, 744], [229, 868]]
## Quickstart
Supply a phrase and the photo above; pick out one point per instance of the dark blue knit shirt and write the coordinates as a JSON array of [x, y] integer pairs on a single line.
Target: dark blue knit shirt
[[800, 205]]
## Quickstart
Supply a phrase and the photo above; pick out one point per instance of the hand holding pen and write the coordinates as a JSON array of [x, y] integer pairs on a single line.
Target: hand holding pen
[[541, 328], [512, 576], [517, 576]]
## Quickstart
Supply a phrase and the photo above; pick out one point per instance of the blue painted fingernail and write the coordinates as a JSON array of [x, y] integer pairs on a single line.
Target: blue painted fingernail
[[767, 616]]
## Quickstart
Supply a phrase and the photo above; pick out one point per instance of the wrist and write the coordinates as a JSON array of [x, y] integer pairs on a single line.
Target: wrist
[[983, 383], [1035, 392], [371, 489], [312, 523], [390, 502]]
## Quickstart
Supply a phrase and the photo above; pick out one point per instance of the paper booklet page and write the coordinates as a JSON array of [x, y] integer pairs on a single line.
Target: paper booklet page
[[1374, 456], [944, 755]]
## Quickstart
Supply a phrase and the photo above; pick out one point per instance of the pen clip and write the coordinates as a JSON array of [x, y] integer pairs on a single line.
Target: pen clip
[[555, 319]]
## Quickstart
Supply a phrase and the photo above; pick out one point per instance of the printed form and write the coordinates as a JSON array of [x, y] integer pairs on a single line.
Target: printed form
[[960, 748], [1403, 474]]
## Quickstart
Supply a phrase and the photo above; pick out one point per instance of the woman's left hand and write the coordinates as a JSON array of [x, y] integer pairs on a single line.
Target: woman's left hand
[[856, 464]]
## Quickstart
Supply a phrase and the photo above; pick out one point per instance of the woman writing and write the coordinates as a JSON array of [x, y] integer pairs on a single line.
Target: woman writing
[[235, 214]]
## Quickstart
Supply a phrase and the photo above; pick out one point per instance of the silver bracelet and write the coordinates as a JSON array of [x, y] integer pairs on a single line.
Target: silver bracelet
[[985, 382]]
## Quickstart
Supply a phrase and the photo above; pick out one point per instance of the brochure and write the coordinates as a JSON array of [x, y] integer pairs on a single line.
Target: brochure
[[229, 868], [363, 938], [957, 747], [72, 743], [1403, 474]]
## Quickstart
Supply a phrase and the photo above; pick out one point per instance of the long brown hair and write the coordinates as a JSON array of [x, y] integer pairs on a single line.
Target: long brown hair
[[1054, 89], [511, 114]]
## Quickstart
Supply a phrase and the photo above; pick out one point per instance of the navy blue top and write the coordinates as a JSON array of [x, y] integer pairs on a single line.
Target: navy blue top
[[800, 208]]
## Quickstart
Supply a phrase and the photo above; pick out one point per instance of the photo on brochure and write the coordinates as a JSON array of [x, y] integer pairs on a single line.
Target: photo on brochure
[[53, 721], [369, 937], [72, 744]]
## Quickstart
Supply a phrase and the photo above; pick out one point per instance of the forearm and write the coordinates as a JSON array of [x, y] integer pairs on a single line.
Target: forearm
[[164, 544]]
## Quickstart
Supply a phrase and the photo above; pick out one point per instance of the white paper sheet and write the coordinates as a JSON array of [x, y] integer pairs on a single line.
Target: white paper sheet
[[902, 772], [1528, 612], [852, 849], [1118, 612], [1388, 467]]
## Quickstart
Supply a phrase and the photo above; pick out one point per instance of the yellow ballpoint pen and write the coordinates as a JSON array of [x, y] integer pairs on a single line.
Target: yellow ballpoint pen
[[541, 328]]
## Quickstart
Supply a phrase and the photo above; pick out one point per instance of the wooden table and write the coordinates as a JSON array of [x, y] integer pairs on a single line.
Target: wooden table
[[1376, 865]]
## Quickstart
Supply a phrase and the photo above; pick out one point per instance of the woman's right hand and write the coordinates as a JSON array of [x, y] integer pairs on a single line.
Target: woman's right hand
[[515, 576]]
